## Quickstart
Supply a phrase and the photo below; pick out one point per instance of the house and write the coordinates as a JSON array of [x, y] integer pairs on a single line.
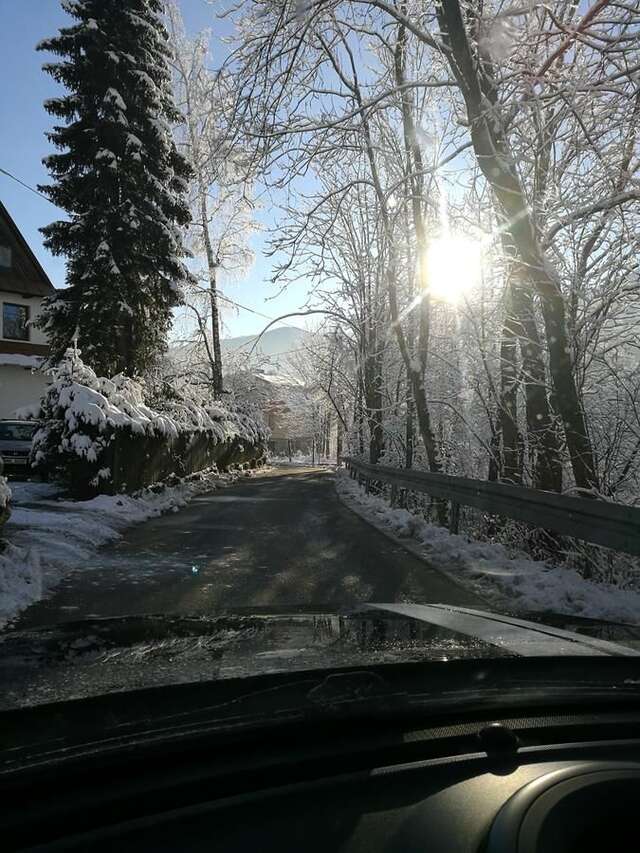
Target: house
[[23, 286], [284, 405]]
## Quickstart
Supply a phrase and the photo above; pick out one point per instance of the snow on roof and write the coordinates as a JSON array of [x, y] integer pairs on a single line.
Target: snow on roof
[[280, 379]]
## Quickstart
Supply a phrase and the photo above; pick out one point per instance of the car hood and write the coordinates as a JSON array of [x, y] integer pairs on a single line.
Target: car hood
[[103, 655]]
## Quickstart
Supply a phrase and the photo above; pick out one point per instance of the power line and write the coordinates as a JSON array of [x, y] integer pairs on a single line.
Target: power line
[[258, 314], [220, 296], [253, 311], [250, 310], [26, 186], [252, 338]]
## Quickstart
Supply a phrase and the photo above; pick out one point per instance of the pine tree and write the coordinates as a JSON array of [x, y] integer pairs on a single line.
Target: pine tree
[[122, 182]]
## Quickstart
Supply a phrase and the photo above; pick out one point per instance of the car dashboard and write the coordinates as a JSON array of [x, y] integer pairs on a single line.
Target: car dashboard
[[557, 780]]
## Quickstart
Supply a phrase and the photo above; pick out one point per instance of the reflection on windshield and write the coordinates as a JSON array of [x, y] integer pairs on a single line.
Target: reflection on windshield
[[17, 432]]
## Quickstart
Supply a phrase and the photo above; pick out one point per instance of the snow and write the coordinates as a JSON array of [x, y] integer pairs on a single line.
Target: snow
[[5, 494], [299, 458], [145, 78], [25, 491], [81, 412], [48, 536], [112, 96], [509, 583], [9, 359], [27, 413]]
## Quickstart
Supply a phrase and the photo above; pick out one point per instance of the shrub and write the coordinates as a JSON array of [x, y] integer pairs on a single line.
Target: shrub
[[99, 435]]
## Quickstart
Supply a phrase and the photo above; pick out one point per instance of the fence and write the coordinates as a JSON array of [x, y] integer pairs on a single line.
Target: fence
[[611, 525]]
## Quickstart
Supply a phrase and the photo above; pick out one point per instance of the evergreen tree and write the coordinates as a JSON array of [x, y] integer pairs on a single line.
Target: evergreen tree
[[122, 183]]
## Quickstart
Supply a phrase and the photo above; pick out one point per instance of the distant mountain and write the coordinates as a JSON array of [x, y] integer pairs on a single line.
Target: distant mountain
[[274, 343], [270, 358]]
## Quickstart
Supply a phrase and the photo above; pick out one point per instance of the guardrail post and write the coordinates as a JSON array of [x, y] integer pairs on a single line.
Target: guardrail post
[[394, 496], [454, 517]]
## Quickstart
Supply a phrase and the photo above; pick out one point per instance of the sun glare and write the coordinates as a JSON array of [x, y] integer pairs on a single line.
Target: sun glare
[[453, 266]]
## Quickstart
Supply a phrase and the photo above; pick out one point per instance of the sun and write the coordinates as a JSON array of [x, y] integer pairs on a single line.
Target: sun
[[453, 267]]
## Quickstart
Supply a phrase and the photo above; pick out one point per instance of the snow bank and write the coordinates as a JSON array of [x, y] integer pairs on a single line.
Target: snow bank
[[49, 537], [512, 583]]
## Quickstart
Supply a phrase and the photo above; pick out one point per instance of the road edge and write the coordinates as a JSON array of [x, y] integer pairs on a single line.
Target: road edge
[[414, 549]]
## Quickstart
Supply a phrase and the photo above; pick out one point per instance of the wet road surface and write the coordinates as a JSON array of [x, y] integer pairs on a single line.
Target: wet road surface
[[281, 538]]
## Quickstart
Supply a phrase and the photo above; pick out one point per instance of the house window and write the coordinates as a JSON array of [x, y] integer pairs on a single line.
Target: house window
[[15, 322], [5, 256]]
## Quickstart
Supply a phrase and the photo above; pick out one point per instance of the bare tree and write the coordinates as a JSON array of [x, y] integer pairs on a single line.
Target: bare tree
[[222, 209]]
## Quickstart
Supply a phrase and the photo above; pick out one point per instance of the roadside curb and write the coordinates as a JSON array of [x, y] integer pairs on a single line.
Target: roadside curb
[[412, 548]]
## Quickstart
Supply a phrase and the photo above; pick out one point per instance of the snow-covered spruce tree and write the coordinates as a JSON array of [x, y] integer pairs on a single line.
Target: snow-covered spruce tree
[[122, 182]]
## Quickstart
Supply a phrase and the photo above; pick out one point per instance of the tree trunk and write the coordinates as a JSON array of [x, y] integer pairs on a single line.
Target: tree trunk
[[493, 471], [409, 433], [373, 398], [212, 265], [359, 414], [544, 448], [508, 403], [494, 158], [414, 369]]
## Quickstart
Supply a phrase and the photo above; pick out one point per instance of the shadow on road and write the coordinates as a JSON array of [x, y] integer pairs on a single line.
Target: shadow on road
[[279, 538]]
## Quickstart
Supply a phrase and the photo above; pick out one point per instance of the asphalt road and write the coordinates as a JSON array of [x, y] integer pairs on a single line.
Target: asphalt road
[[281, 538]]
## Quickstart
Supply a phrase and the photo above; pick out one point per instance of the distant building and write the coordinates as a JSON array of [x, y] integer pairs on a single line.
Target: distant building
[[23, 286], [283, 403]]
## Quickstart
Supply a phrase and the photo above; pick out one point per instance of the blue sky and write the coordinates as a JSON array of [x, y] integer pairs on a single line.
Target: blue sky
[[23, 125]]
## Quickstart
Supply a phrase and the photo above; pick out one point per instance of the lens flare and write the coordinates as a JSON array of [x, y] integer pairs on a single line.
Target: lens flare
[[452, 267]]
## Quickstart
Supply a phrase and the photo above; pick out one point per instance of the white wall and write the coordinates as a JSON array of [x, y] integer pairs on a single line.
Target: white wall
[[19, 386], [36, 336]]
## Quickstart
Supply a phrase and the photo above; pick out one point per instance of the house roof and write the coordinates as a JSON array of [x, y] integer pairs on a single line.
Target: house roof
[[25, 276]]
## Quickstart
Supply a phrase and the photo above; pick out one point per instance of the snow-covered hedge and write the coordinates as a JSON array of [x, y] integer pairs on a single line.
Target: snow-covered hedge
[[99, 435]]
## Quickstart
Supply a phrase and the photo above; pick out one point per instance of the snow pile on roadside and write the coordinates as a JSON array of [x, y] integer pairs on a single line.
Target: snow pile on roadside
[[49, 537], [515, 583]]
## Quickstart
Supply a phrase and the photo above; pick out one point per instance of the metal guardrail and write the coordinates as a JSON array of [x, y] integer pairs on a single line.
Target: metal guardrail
[[611, 525]]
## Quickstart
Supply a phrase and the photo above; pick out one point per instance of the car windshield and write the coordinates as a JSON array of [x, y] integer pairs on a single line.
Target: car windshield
[[16, 432], [322, 320]]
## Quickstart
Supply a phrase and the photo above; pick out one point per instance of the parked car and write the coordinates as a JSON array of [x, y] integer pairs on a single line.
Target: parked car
[[15, 444]]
